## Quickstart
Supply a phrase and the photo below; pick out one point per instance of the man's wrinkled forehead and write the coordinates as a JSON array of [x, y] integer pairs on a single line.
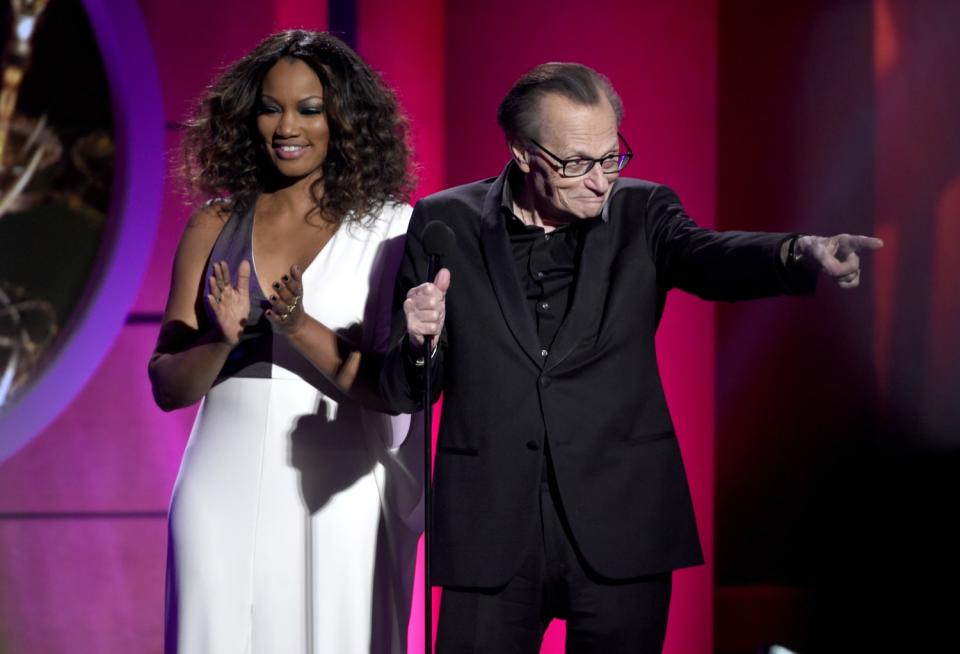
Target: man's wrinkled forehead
[[561, 119]]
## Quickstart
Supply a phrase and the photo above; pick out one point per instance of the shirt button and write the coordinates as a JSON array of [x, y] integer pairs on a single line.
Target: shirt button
[[546, 237], [544, 305], [544, 352], [540, 274], [533, 446]]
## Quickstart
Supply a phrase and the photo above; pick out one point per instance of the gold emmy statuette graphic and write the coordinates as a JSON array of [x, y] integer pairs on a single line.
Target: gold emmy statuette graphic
[[27, 145]]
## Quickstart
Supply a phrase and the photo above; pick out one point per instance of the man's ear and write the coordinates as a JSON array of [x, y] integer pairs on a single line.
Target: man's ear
[[520, 154]]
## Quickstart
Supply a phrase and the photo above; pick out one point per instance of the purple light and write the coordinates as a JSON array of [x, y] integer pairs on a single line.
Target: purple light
[[134, 212]]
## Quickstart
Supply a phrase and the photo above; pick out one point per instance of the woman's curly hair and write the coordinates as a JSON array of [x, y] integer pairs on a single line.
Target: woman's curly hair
[[368, 159]]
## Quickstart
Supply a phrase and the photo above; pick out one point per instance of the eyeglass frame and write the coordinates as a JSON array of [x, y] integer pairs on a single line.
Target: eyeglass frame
[[625, 156]]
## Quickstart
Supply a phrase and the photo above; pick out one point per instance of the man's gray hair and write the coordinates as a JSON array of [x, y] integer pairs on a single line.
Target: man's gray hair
[[518, 114]]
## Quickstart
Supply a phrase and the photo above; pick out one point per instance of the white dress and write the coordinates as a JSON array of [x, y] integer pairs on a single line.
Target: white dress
[[295, 515]]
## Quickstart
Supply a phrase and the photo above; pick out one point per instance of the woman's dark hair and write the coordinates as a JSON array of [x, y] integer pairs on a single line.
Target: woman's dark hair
[[368, 159], [519, 113]]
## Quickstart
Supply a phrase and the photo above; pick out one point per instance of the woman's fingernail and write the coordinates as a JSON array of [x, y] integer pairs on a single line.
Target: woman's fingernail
[[276, 285], [286, 278], [273, 298]]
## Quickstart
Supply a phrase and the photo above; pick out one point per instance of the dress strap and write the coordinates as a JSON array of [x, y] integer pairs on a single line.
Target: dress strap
[[252, 357]]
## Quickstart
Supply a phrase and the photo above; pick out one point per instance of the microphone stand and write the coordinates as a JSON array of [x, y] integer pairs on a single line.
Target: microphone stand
[[432, 265]]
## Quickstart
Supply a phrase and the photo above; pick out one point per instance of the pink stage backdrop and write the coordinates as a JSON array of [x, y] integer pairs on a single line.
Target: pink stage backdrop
[[83, 524], [856, 101]]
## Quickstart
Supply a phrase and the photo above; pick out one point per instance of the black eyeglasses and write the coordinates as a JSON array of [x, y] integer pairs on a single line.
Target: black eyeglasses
[[580, 166]]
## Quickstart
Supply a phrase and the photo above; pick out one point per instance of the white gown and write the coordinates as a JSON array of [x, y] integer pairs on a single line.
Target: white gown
[[295, 515]]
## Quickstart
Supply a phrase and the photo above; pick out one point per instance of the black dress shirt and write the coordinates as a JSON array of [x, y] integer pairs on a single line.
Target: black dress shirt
[[546, 265]]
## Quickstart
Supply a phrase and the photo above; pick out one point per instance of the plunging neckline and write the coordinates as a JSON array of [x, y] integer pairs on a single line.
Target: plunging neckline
[[253, 258]]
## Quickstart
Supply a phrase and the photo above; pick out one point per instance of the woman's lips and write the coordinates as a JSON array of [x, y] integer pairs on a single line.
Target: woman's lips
[[288, 151]]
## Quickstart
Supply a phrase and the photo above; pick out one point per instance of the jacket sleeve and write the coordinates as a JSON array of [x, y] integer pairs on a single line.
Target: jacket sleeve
[[728, 265], [402, 380]]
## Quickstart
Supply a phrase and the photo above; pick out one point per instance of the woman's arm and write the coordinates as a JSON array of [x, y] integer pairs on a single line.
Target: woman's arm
[[190, 351], [356, 373]]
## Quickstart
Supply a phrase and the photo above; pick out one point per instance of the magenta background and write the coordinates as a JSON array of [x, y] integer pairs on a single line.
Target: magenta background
[[82, 507]]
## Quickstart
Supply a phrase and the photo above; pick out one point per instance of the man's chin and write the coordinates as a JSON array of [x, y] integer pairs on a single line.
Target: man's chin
[[589, 210]]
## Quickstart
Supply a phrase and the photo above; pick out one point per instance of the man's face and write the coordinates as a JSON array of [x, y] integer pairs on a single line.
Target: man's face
[[570, 131]]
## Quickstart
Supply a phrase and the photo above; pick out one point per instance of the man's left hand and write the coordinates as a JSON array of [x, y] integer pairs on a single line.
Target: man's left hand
[[837, 255]]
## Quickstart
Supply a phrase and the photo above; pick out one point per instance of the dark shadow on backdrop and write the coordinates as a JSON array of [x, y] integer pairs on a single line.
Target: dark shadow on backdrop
[[832, 486]]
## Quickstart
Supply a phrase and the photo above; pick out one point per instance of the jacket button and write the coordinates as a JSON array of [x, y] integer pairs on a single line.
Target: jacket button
[[533, 446], [545, 381]]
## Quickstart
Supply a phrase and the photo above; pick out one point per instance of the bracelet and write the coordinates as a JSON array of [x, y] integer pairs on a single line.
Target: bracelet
[[792, 258], [420, 362]]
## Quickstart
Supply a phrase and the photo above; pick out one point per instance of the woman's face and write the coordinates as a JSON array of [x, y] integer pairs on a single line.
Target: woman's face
[[292, 120]]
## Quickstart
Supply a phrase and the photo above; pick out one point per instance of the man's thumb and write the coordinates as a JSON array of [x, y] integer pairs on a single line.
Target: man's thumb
[[442, 280]]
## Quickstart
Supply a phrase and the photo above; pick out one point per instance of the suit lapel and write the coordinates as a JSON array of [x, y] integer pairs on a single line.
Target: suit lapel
[[502, 272], [593, 273]]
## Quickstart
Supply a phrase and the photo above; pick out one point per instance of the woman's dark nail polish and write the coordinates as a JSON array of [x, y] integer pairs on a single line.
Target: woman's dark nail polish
[[276, 285], [286, 278]]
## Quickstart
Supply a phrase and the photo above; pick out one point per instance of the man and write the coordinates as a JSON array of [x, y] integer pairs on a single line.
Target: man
[[559, 487]]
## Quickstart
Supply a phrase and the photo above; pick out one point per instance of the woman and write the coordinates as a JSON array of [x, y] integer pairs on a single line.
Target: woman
[[293, 522]]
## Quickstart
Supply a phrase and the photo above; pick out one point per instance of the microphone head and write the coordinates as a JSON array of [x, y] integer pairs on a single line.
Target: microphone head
[[438, 239]]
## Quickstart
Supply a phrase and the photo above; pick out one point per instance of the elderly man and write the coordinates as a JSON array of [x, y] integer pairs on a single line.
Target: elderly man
[[559, 486]]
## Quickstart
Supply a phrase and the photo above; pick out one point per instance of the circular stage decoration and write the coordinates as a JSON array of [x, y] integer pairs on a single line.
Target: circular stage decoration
[[53, 335]]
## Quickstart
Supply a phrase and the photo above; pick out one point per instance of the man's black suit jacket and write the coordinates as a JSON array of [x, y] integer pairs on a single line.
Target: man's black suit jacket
[[597, 397]]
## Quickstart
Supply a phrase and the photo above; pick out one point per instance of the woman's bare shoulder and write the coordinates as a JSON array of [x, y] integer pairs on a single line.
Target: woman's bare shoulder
[[212, 214]]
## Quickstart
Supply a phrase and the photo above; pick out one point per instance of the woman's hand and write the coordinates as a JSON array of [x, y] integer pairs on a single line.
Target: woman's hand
[[231, 305], [286, 308]]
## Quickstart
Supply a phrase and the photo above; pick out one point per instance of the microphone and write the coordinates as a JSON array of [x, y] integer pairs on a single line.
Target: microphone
[[438, 241]]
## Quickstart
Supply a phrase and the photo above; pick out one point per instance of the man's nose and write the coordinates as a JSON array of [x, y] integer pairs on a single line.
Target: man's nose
[[596, 181]]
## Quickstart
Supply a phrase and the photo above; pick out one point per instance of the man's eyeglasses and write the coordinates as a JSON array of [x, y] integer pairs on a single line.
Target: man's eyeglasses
[[580, 166]]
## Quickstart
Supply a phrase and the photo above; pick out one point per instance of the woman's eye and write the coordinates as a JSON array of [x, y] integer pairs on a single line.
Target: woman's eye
[[267, 109], [312, 111]]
